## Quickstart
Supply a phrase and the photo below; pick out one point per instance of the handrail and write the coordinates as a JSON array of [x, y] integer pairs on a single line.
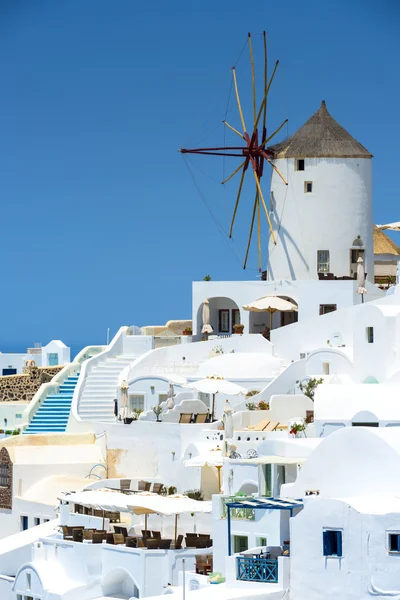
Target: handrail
[[53, 386], [111, 350]]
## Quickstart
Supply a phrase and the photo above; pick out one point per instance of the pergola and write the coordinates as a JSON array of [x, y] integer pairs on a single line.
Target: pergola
[[260, 503]]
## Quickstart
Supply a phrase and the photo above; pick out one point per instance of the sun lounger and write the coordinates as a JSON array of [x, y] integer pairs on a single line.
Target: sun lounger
[[179, 540], [185, 417], [125, 485], [272, 426], [144, 486], [157, 488], [201, 418], [164, 544], [261, 425], [152, 544]]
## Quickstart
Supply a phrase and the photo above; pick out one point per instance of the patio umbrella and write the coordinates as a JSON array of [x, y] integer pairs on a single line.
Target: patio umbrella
[[271, 304], [361, 278], [390, 226], [214, 385], [124, 398], [206, 318], [212, 458], [228, 420], [170, 398]]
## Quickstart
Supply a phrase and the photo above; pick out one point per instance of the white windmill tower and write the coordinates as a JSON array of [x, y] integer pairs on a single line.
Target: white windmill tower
[[322, 219]]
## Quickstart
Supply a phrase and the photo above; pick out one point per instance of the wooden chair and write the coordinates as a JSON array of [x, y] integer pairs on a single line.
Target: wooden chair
[[123, 530], [272, 426], [140, 543], [156, 534], [203, 564], [67, 532], [202, 543], [88, 535], [164, 544], [178, 544], [185, 417], [204, 535], [191, 541], [146, 533], [125, 485], [98, 537], [152, 544], [77, 534], [144, 486], [98, 513], [201, 418], [157, 488], [131, 542], [118, 539]]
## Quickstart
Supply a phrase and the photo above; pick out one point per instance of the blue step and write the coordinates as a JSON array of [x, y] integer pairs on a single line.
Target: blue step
[[53, 414]]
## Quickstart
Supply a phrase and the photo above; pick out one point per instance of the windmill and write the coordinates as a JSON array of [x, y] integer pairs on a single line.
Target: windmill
[[253, 149]]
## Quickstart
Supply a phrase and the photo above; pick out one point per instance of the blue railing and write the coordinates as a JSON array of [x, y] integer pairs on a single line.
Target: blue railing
[[257, 569]]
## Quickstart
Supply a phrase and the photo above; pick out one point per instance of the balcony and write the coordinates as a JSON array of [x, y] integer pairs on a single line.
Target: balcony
[[259, 569]]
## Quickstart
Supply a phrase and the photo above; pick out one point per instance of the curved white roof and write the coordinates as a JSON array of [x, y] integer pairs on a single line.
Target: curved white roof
[[354, 461], [49, 489], [240, 365]]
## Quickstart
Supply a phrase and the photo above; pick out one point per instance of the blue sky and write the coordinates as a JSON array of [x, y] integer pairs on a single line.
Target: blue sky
[[102, 224]]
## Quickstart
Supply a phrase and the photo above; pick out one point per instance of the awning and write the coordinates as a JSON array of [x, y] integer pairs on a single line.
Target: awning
[[271, 304], [269, 460], [267, 503]]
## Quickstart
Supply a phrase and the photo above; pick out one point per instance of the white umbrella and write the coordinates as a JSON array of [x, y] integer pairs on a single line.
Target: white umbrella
[[206, 318], [390, 226], [124, 398], [361, 278], [271, 304], [170, 398], [212, 458], [228, 421], [214, 385]]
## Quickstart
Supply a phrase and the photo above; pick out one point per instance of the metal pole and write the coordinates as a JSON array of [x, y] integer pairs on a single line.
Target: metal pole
[[229, 531], [183, 579]]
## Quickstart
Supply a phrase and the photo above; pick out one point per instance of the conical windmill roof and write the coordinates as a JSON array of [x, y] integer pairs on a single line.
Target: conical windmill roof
[[320, 136]]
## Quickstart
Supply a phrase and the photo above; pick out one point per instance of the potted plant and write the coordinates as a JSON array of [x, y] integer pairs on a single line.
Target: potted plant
[[207, 278], [238, 328], [262, 405], [297, 427], [157, 410], [187, 331]]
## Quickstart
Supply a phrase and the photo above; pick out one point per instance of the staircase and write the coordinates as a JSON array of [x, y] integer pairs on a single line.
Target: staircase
[[96, 402], [53, 414]]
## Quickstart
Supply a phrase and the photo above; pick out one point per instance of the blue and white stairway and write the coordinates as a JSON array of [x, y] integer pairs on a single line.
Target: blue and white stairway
[[53, 414]]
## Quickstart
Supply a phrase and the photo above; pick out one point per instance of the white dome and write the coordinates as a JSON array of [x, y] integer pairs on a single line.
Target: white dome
[[241, 365]]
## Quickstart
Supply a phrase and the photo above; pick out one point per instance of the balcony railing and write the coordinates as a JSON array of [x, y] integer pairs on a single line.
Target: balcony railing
[[257, 569]]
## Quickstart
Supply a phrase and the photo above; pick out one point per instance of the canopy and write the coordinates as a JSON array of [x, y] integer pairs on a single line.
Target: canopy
[[206, 318], [271, 304], [212, 458], [361, 278], [215, 385], [390, 226], [140, 504]]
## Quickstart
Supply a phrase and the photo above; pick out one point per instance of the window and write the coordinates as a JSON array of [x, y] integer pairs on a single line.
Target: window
[[223, 321], [370, 335], [240, 543], [323, 261], [361, 424], [136, 401], [36, 521], [24, 522], [324, 309], [261, 541], [235, 316], [3, 475], [52, 359], [307, 187], [9, 371], [266, 485], [355, 255], [332, 539], [300, 164], [28, 582], [394, 542]]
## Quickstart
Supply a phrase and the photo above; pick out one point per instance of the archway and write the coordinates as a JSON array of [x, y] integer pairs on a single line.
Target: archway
[[119, 584], [224, 314], [248, 488], [365, 418]]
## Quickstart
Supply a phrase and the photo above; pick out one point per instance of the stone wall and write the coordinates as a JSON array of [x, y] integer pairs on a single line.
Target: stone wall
[[6, 491], [22, 388]]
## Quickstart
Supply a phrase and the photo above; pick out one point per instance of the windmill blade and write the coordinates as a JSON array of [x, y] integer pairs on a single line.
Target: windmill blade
[[259, 233], [253, 78], [274, 167], [234, 173], [238, 99], [274, 134], [237, 201], [234, 130], [265, 81], [263, 103], [264, 206], [256, 201]]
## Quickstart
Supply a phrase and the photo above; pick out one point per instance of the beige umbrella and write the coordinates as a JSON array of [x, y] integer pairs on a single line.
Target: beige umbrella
[[124, 399], [206, 318], [271, 304], [361, 278], [390, 226]]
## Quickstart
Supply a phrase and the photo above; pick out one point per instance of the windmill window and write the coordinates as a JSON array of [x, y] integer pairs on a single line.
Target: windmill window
[[307, 187], [394, 543], [300, 164]]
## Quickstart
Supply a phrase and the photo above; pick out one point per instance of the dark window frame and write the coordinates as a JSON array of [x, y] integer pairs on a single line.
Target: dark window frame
[[300, 164], [370, 335], [307, 185], [4, 475], [394, 542], [322, 308], [220, 312], [332, 543]]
